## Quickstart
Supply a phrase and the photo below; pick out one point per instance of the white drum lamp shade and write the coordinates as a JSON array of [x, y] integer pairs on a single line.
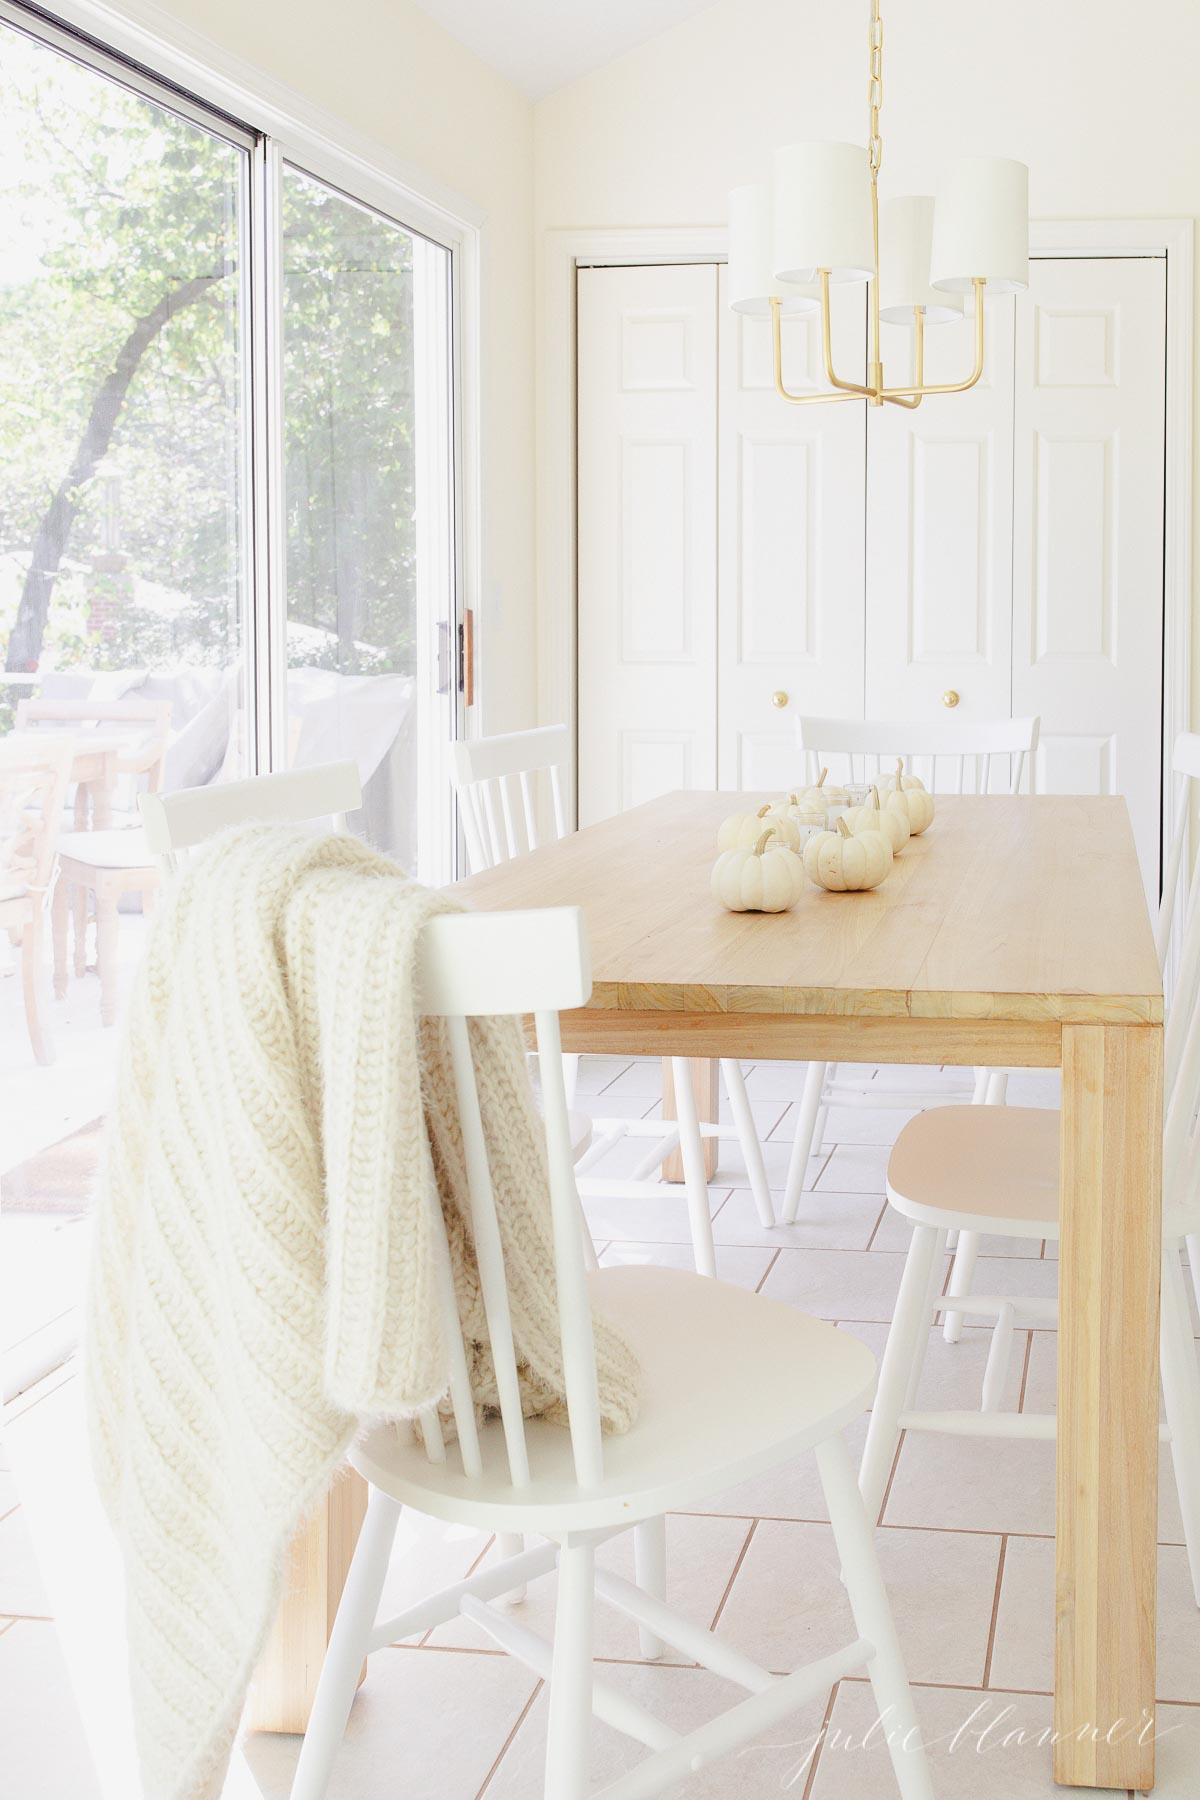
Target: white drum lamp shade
[[751, 278], [905, 239], [823, 212], [981, 226]]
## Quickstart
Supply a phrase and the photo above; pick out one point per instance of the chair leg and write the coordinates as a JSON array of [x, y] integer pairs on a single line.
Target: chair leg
[[965, 1256], [79, 919], [570, 1077], [1181, 1397], [802, 1140], [997, 1088], [347, 1647], [106, 955], [908, 1335], [1193, 1254], [981, 1087], [650, 1574], [691, 1149], [743, 1118], [32, 977], [511, 1543], [60, 914], [569, 1731], [855, 1544]]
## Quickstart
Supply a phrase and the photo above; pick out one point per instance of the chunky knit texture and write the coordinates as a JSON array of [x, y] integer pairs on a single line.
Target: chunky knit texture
[[263, 1271]]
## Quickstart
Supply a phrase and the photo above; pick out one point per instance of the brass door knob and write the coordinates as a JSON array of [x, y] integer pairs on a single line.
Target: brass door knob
[[779, 698], [950, 697]]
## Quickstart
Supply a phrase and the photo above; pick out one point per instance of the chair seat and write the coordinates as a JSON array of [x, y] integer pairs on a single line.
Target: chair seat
[[732, 1384], [120, 849], [979, 1168]]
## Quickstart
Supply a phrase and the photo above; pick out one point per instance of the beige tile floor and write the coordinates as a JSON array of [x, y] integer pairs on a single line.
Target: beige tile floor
[[965, 1542]]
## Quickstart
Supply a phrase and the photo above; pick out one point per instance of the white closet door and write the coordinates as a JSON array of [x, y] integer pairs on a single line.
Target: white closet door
[[647, 525], [939, 530], [790, 541], [1087, 626]]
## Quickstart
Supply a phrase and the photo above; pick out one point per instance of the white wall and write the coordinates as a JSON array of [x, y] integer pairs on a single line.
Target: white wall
[[1097, 96], [393, 74]]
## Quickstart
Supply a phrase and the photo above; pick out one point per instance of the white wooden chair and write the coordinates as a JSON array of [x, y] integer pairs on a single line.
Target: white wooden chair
[[996, 1169], [732, 1384], [34, 772], [992, 756], [496, 780], [176, 823]]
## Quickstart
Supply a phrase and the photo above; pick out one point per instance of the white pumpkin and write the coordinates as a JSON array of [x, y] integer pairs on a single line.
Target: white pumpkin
[[916, 804], [802, 809], [844, 863], [825, 794], [741, 831], [888, 814], [900, 781], [768, 877]]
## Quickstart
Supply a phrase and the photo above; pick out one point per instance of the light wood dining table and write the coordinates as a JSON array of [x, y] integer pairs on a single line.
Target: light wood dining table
[[1014, 932]]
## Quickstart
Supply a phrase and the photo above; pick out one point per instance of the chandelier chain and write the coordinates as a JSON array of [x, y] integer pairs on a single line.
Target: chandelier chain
[[875, 88]]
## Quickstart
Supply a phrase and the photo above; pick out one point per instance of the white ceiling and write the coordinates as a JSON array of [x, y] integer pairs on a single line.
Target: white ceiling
[[540, 44]]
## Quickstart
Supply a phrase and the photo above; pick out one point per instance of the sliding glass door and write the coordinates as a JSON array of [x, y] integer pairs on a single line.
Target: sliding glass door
[[254, 526], [366, 403]]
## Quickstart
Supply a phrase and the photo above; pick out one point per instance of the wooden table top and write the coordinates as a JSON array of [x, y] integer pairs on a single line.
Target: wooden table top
[[1024, 909]]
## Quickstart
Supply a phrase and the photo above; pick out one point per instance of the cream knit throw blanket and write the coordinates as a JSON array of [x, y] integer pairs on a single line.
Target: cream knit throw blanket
[[262, 1277]]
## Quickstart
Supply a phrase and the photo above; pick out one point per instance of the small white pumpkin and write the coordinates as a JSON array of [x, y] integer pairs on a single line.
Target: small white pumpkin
[[888, 814], [900, 781], [823, 795], [911, 798], [741, 831], [802, 809], [768, 877], [844, 863]]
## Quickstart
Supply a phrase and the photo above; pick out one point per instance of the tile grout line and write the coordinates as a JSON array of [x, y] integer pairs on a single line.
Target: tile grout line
[[506, 1746], [883, 1212], [991, 1643], [774, 1259], [741, 1557], [829, 1706]]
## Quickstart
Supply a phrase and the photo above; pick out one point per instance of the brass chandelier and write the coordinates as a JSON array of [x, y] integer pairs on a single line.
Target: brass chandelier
[[816, 225]]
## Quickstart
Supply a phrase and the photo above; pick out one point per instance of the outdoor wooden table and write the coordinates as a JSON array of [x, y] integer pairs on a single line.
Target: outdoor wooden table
[[1013, 932]]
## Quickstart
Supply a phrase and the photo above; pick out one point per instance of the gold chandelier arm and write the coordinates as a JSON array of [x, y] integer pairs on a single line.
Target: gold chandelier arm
[[846, 387], [780, 389], [918, 391], [913, 403]]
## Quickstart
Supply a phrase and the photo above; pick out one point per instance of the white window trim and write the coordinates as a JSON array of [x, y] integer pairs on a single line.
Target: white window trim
[[564, 252]]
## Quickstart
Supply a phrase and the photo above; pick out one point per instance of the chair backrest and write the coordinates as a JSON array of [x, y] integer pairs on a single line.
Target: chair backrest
[[495, 780], [175, 823], [948, 755], [34, 772], [477, 964], [1185, 761]]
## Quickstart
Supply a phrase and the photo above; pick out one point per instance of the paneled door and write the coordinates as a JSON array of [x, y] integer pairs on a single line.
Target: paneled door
[[647, 534], [939, 501], [1088, 567], [790, 541]]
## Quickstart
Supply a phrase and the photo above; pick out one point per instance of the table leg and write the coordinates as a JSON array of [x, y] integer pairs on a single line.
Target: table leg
[[318, 1560], [1107, 1512], [706, 1087]]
